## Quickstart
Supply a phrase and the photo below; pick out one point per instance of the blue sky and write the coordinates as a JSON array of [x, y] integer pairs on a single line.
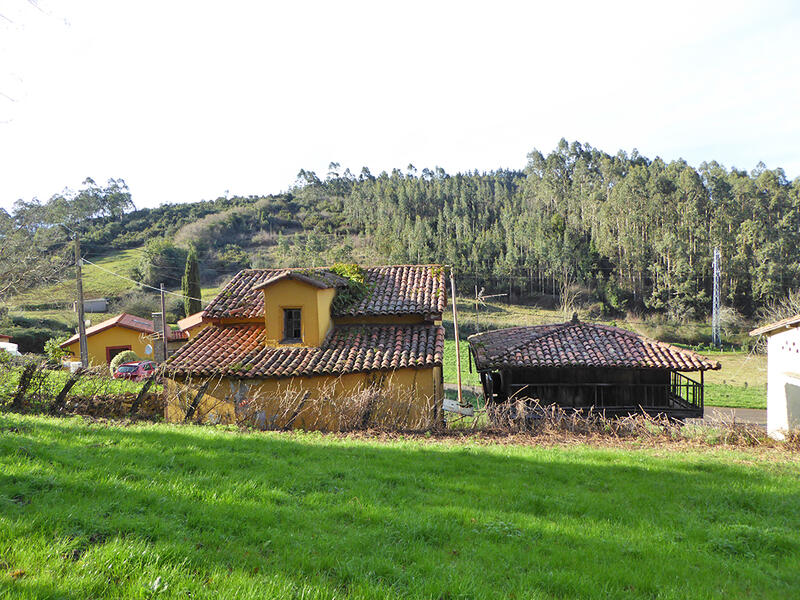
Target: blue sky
[[188, 100]]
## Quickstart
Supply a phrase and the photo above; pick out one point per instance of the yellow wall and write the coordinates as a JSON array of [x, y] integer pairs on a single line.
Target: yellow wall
[[315, 306], [193, 332], [405, 398], [114, 336]]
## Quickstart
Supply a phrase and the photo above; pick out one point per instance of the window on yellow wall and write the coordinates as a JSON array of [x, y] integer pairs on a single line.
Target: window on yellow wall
[[292, 331]]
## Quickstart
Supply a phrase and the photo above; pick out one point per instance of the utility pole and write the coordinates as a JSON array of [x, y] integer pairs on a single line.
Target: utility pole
[[164, 323], [716, 339], [79, 304], [455, 329]]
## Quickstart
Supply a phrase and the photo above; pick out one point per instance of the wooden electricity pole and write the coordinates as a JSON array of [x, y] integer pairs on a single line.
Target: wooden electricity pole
[[79, 305], [455, 329], [164, 323]]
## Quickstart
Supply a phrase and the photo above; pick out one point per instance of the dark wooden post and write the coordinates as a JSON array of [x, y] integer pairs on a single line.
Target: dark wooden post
[[140, 396], [196, 402], [62, 395], [24, 381]]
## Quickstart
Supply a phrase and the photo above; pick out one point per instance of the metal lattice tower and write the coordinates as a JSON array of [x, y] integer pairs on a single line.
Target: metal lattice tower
[[716, 339]]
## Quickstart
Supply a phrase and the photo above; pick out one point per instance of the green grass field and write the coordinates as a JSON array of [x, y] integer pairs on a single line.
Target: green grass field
[[157, 511], [96, 282]]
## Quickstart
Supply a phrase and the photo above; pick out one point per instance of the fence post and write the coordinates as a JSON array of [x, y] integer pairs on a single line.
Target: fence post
[[196, 402], [25, 379], [297, 412], [58, 403], [140, 396]]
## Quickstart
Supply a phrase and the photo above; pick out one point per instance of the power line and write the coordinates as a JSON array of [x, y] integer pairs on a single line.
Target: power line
[[110, 272]]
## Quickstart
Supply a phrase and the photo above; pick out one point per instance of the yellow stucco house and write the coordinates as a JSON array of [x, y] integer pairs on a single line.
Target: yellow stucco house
[[302, 347], [117, 334]]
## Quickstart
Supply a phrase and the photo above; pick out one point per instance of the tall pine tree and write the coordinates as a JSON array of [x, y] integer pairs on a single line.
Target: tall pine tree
[[191, 284]]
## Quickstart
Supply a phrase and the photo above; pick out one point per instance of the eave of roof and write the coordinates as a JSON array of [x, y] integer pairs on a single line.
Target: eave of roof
[[191, 321], [123, 320], [771, 328]]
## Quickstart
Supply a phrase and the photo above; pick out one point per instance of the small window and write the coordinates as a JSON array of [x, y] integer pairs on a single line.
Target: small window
[[291, 325]]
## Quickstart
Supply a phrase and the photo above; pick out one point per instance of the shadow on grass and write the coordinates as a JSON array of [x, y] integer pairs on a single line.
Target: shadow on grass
[[222, 510]]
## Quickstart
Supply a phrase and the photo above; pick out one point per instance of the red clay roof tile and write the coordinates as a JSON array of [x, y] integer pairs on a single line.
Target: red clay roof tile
[[128, 322], [239, 351], [576, 344], [393, 290]]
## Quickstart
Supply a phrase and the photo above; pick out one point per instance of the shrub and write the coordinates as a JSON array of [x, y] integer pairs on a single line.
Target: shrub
[[33, 339], [162, 262], [122, 357], [138, 303], [52, 348]]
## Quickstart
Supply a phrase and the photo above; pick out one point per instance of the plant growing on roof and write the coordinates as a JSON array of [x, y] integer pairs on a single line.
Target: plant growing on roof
[[357, 289]]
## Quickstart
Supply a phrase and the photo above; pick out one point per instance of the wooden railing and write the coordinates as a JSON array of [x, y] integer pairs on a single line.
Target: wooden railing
[[681, 394]]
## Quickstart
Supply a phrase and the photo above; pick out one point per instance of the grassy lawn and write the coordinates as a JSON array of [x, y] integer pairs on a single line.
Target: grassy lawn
[[90, 511], [96, 282], [449, 367]]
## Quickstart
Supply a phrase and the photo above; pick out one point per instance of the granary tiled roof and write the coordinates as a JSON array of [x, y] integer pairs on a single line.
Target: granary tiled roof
[[576, 344], [392, 290], [239, 351]]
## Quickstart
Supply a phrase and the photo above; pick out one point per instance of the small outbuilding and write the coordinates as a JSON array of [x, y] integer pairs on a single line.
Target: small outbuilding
[[783, 375], [92, 305], [588, 365], [118, 334]]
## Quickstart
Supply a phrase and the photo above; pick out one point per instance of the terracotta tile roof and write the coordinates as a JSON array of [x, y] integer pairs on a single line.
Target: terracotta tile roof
[[191, 321], [128, 322], [317, 277], [576, 344], [783, 323], [239, 351], [393, 290]]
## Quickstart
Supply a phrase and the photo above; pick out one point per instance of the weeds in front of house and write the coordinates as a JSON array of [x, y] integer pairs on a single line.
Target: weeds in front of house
[[554, 424], [373, 408], [375, 405]]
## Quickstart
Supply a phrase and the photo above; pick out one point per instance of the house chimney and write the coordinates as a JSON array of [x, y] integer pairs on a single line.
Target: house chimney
[[575, 318], [158, 345]]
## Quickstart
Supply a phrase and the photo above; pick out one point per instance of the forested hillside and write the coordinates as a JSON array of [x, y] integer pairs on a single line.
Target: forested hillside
[[627, 232], [639, 233]]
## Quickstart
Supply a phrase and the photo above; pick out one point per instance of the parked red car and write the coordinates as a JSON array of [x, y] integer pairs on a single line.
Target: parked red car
[[136, 371]]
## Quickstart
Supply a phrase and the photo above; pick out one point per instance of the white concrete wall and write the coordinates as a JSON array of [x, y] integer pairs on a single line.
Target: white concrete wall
[[783, 382]]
